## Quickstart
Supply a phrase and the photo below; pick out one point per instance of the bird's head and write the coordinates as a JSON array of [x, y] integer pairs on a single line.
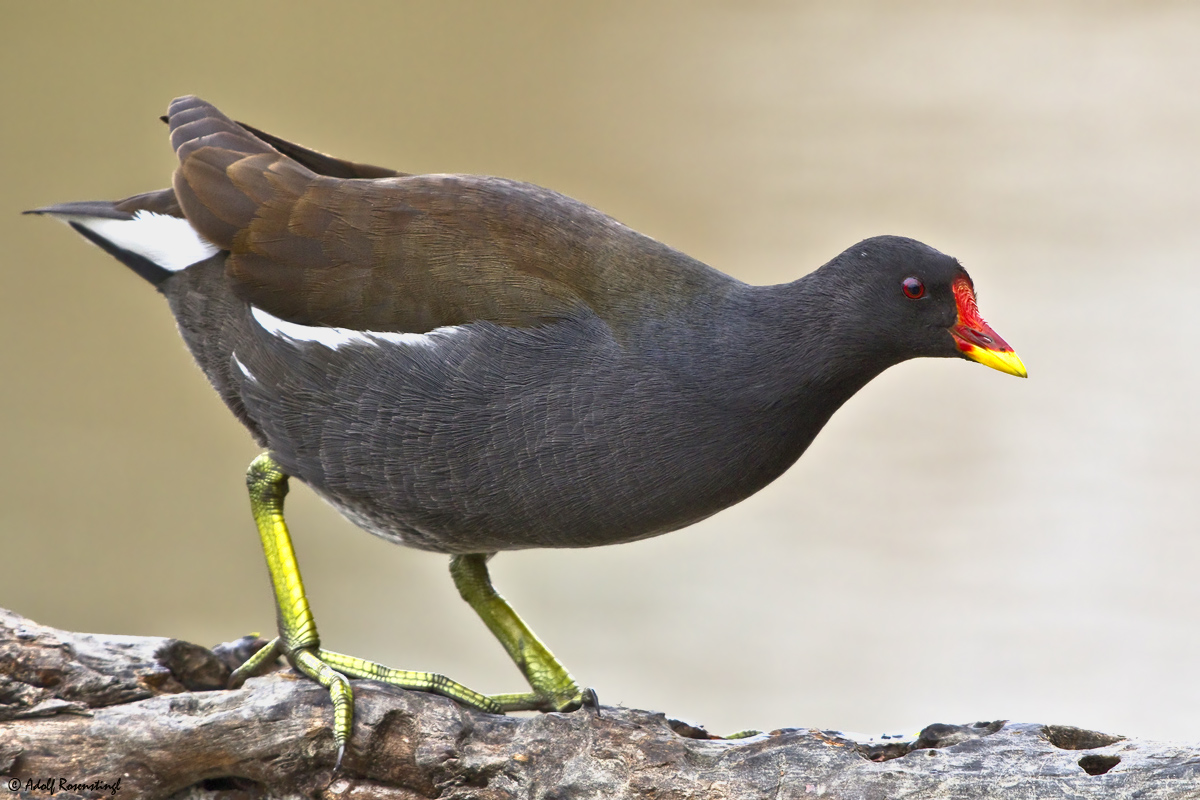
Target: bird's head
[[911, 300]]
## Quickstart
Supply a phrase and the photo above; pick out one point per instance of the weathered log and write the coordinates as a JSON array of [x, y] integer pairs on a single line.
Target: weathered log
[[88, 715]]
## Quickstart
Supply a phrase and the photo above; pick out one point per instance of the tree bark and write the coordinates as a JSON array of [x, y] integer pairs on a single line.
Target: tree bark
[[87, 715]]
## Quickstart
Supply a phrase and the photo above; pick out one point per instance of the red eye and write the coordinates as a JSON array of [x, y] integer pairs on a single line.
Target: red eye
[[913, 288]]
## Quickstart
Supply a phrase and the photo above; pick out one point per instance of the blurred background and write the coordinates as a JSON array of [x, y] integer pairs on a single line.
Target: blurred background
[[957, 544]]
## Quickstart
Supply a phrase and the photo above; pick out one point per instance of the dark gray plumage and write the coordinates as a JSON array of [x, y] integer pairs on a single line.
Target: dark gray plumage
[[494, 438]]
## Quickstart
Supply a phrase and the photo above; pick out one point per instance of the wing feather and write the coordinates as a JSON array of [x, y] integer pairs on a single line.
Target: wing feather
[[407, 253]]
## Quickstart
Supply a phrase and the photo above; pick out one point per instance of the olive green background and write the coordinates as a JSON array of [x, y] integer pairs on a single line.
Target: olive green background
[[957, 545]]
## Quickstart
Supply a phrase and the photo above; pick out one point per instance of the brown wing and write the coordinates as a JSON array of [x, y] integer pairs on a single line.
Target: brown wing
[[408, 253], [321, 163]]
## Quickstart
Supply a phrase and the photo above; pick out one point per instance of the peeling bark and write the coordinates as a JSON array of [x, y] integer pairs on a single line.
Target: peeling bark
[[90, 710]]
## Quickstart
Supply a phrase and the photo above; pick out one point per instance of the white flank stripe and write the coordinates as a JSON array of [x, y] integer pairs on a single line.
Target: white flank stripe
[[242, 367], [170, 242], [334, 338]]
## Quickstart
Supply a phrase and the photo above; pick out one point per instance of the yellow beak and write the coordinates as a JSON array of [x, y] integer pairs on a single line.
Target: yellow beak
[[1003, 360]]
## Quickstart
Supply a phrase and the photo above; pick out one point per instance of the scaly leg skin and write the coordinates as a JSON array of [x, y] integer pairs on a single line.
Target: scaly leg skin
[[553, 687], [298, 640]]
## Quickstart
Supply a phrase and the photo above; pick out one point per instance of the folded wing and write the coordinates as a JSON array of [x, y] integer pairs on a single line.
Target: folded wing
[[400, 253]]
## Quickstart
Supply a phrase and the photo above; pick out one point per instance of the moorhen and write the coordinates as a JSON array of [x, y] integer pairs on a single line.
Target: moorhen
[[470, 364]]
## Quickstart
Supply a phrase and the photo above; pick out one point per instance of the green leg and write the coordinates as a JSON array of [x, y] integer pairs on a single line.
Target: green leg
[[298, 640], [553, 687]]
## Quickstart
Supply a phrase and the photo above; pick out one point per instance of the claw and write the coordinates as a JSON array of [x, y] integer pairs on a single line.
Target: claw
[[590, 700], [254, 665]]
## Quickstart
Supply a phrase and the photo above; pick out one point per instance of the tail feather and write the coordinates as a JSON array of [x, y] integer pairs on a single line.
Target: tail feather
[[100, 209], [226, 171], [161, 202], [139, 231]]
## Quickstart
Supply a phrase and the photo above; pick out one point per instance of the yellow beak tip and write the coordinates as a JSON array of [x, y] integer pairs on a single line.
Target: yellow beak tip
[[1003, 360]]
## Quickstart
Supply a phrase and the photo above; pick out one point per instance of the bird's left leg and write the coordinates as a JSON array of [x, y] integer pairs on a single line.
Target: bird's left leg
[[553, 687]]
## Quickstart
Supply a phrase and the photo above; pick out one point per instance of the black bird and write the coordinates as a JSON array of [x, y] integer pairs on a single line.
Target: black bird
[[470, 364]]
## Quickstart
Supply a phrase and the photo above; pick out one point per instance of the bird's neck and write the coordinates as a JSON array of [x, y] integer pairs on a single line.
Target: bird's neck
[[764, 369], [797, 348]]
